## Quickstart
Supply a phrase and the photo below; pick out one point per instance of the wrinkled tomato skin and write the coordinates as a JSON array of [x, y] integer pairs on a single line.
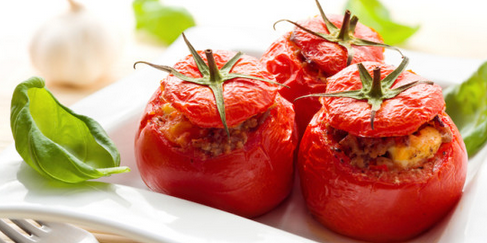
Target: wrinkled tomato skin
[[331, 57], [361, 205], [248, 182], [281, 60], [399, 116], [303, 62], [243, 98]]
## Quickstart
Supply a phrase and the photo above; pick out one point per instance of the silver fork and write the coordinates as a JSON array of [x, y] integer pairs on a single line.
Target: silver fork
[[30, 231]]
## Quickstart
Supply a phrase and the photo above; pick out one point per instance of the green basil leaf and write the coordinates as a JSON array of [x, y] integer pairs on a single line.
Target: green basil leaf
[[373, 14], [163, 22], [466, 104], [57, 142]]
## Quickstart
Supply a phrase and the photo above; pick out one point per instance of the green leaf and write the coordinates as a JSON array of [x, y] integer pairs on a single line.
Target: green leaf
[[466, 104], [373, 14], [57, 142], [163, 22]]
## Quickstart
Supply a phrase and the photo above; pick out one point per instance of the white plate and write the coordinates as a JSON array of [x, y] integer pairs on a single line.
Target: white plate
[[122, 204]]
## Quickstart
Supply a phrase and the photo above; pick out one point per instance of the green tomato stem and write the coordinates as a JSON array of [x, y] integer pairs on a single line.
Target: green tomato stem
[[353, 24], [211, 76], [344, 34], [376, 89], [215, 75]]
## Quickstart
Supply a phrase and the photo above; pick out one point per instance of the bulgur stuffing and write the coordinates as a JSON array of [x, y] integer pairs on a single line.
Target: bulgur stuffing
[[393, 153], [209, 141]]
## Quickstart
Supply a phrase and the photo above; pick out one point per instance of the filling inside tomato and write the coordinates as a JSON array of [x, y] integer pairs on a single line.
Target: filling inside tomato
[[393, 153], [308, 64], [209, 142]]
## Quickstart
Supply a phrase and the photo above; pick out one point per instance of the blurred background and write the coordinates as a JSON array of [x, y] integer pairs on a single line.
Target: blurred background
[[446, 28]]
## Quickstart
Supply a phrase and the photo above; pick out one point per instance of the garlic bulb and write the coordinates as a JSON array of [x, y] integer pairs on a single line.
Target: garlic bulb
[[74, 49]]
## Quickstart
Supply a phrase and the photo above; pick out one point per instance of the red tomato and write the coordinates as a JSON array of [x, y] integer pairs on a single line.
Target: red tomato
[[249, 180], [244, 98], [375, 204], [330, 57], [303, 61], [399, 116]]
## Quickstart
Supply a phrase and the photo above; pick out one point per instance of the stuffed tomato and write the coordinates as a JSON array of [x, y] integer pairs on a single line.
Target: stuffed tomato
[[241, 162], [314, 50], [383, 171]]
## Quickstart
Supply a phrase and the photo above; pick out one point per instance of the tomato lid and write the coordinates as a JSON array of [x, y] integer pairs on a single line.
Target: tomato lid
[[243, 97], [397, 116], [329, 56]]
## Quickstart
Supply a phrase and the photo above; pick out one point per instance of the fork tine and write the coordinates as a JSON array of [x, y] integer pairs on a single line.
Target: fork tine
[[12, 233], [28, 227]]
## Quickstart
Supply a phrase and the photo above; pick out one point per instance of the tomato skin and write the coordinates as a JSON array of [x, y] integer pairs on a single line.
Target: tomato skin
[[373, 204], [331, 57], [281, 60], [399, 116], [248, 181], [303, 62], [198, 103], [359, 205]]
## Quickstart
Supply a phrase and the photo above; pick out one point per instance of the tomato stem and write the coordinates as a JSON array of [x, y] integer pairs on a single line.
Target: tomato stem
[[215, 75], [353, 24], [344, 34], [211, 76], [376, 90]]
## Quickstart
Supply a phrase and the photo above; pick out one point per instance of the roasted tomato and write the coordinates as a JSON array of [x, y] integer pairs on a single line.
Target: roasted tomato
[[303, 58], [383, 175], [244, 166]]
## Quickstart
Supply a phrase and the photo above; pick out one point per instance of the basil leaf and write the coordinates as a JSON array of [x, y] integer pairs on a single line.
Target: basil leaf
[[57, 142], [163, 22], [466, 104], [373, 14]]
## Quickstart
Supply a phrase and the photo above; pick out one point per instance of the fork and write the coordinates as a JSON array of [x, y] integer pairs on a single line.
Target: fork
[[31, 231]]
